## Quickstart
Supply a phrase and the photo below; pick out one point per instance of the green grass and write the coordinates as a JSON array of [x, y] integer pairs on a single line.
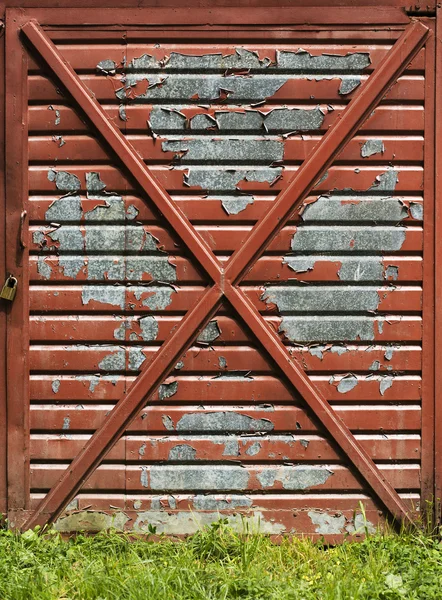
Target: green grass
[[217, 563]]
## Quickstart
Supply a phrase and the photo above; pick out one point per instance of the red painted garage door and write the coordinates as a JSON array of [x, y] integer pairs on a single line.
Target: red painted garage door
[[220, 266]]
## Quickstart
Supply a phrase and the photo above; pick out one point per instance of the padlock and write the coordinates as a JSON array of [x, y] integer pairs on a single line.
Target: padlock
[[9, 289]]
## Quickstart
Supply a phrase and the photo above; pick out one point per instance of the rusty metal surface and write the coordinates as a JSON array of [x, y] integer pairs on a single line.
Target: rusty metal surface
[[111, 281]]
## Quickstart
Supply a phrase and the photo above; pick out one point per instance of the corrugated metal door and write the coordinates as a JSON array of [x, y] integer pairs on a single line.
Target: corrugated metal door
[[234, 212]]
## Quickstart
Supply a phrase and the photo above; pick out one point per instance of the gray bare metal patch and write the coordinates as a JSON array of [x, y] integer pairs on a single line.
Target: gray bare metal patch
[[391, 273], [302, 62], [211, 179], [64, 210], [182, 452], [108, 209], [347, 383], [385, 383], [314, 328], [226, 422], [372, 205], [339, 350], [328, 66], [245, 121], [55, 386], [372, 147], [360, 524], [327, 524], [94, 380], [120, 331], [107, 67], [159, 297], [335, 524], [317, 351], [148, 328], [348, 84], [119, 239], [208, 89], [222, 362], [144, 477], [389, 353], [315, 240], [91, 521], [135, 359], [43, 267], [113, 295], [167, 390], [188, 523], [94, 184], [222, 184], [355, 208], [177, 79], [322, 299], [221, 502], [417, 211], [168, 423], [115, 361], [189, 477], [278, 120], [231, 446], [233, 205], [210, 333], [206, 150], [64, 181], [300, 264], [104, 235], [66, 423], [242, 376], [294, 477], [293, 62], [158, 267], [253, 449], [361, 269], [132, 212]]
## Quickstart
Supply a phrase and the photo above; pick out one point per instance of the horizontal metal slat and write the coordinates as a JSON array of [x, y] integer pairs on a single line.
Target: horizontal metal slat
[[410, 179], [91, 388], [221, 478], [109, 328], [79, 239], [223, 419], [228, 150], [66, 446], [320, 299], [58, 118], [224, 360], [406, 89], [86, 57], [391, 210], [274, 269]]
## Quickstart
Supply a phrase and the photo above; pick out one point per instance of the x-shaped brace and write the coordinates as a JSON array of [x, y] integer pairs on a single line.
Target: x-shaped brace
[[225, 279]]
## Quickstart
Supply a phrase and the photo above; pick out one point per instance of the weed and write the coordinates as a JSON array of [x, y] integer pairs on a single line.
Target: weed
[[218, 563]]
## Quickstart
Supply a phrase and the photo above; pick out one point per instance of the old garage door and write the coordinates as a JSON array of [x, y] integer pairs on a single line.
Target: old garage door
[[220, 271]]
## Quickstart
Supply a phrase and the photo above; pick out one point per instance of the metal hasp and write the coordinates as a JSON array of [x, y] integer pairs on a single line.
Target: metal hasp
[[225, 287]]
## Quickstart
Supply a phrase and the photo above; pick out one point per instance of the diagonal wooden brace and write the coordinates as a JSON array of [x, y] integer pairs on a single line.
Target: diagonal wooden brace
[[224, 283]]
